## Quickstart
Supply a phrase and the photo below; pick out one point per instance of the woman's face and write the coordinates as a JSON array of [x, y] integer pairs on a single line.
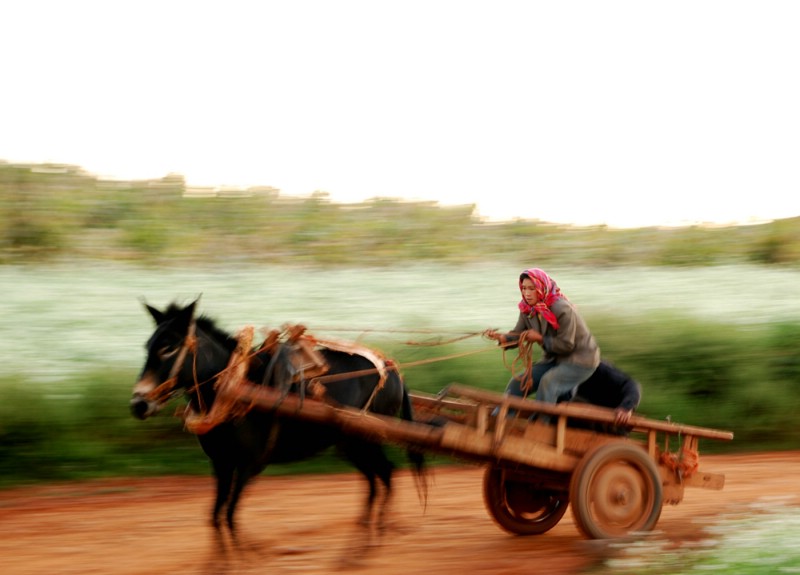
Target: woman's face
[[529, 292]]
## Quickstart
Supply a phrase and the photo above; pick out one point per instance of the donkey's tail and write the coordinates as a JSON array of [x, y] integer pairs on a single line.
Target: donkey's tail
[[416, 456]]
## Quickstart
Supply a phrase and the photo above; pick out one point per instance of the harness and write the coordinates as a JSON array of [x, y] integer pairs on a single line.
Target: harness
[[305, 365]]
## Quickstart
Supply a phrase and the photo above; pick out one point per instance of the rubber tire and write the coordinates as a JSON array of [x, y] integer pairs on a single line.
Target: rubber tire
[[609, 484], [546, 508]]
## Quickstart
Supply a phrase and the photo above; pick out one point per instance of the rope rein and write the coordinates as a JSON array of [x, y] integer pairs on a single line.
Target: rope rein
[[240, 359], [524, 357]]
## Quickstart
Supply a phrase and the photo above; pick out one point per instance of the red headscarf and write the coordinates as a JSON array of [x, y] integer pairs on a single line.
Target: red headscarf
[[550, 293]]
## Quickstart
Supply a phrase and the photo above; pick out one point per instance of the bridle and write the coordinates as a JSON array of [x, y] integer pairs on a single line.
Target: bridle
[[166, 390]]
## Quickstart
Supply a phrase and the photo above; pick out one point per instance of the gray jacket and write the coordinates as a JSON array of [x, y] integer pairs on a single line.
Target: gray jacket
[[572, 342]]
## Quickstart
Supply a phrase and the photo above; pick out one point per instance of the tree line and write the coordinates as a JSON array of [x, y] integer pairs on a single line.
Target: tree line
[[50, 211]]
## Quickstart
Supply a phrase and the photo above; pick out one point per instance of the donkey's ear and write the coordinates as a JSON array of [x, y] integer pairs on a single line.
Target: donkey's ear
[[158, 317], [189, 309], [186, 314]]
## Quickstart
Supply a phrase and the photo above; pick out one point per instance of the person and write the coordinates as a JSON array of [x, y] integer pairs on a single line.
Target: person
[[611, 387], [608, 387], [547, 318]]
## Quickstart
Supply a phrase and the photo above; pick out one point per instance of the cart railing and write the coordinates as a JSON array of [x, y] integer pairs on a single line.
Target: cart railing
[[502, 422], [568, 410]]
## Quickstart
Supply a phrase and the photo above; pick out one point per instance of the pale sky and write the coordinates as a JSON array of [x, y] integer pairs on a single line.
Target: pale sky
[[628, 113]]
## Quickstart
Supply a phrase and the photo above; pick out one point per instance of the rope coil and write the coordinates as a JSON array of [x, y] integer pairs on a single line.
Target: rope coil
[[684, 463]]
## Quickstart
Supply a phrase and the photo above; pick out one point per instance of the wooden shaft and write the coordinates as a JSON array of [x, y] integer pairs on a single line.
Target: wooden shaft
[[350, 420]]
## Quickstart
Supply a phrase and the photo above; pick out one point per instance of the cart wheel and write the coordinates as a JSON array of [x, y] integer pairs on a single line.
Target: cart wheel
[[615, 491], [518, 507]]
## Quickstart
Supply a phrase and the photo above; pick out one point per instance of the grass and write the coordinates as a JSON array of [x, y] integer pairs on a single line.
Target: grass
[[760, 541]]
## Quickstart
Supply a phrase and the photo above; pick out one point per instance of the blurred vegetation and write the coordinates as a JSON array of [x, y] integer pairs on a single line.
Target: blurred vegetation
[[55, 211], [738, 379], [742, 379]]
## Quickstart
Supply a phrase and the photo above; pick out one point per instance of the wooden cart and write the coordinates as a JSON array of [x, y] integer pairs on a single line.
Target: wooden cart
[[616, 484]]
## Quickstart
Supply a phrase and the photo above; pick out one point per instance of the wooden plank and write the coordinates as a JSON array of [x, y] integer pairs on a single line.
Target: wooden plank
[[535, 454], [651, 443], [561, 432], [460, 439], [672, 489], [586, 412], [427, 406], [482, 419], [500, 425], [705, 480], [577, 442], [428, 401]]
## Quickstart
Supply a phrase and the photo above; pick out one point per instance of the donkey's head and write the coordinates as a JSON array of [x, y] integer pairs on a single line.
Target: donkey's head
[[168, 349]]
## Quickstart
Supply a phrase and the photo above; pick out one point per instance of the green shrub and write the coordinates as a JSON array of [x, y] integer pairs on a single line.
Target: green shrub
[[740, 379]]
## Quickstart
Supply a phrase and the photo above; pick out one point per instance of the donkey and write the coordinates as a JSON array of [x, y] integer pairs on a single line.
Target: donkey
[[187, 355]]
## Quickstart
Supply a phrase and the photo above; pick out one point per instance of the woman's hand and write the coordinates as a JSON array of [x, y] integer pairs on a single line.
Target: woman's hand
[[494, 335], [531, 335]]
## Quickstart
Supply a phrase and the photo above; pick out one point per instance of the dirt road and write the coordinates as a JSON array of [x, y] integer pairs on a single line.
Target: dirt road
[[307, 525]]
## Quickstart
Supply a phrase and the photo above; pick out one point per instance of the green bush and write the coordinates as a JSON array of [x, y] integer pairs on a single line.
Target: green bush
[[738, 379]]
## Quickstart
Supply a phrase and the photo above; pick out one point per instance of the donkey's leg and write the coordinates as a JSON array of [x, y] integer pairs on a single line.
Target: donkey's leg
[[218, 562], [372, 493], [383, 469], [241, 478], [224, 476], [371, 460], [355, 450]]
